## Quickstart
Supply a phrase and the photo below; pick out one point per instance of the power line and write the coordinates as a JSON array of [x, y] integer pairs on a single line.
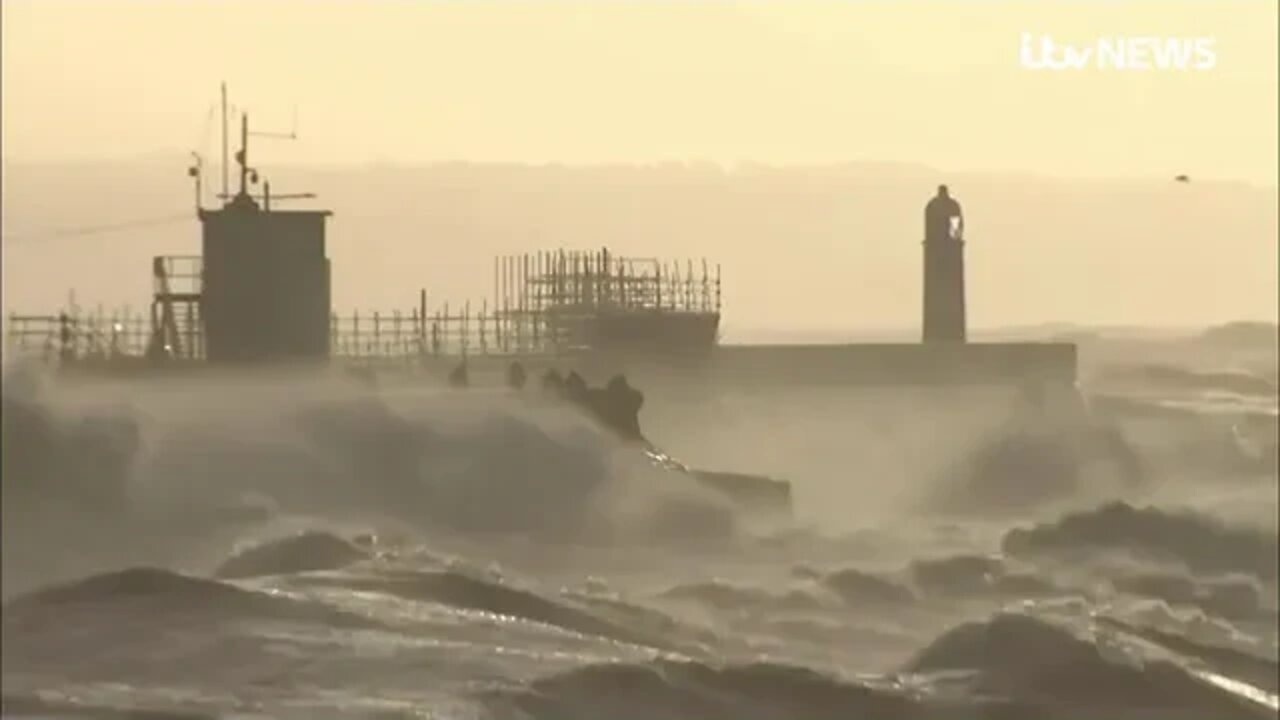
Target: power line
[[95, 229]]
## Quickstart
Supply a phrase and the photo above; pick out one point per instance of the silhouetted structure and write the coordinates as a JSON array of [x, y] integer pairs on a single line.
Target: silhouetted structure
[[575, 388], [616, 406], [552, 383], [566, 300], [944, 302], [460, 378], [258, 292], [516, 376]]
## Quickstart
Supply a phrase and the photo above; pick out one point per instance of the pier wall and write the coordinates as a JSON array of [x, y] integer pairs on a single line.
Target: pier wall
[[869, 364]]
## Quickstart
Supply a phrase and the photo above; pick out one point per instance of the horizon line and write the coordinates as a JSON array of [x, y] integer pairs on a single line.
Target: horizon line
[[724, 167]]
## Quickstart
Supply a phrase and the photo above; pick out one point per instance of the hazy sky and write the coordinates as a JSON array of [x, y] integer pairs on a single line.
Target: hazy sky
[[576, 82], [931, 82]]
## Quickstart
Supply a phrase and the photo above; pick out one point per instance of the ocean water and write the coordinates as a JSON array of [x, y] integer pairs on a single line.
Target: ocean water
[[321, 548]]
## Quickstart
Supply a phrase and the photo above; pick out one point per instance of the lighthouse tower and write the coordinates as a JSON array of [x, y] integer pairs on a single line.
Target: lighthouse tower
[[944, 306]]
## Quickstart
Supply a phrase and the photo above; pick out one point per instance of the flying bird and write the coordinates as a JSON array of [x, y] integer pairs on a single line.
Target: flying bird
[[1182, 179]]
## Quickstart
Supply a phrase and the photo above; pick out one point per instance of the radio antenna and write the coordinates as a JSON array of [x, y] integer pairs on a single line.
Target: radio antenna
[[248, 174], [226, 161]]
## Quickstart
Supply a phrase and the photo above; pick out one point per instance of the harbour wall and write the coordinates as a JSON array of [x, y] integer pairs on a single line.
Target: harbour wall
[[821, 365]]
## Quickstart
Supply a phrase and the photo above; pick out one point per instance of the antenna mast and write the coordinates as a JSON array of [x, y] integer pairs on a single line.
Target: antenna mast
[[249, 175], [226, 160], [244, 153]]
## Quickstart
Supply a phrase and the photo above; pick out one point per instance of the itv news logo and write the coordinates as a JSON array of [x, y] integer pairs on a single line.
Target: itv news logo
[[1119, 52]]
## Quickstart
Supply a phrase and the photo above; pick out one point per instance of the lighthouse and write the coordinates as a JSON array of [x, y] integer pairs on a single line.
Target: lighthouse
[[944, 306]]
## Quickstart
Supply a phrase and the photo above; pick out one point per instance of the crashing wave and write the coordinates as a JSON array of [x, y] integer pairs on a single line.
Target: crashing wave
[[1199, 542], [1077, 670], [303, 552]]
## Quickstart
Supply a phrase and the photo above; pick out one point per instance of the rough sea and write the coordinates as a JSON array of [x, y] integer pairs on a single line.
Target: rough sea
[[321, 548]]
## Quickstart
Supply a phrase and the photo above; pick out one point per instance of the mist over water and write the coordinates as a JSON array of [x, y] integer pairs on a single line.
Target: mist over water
[[318, 547]]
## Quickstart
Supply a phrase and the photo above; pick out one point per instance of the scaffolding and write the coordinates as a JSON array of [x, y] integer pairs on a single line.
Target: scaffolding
[[567, 300], [545, 304], [262, 291]]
